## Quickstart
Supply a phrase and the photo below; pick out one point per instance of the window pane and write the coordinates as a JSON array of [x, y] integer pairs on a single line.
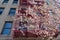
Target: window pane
[[1, 10], [12, 11], [8, 25], [6, 31]]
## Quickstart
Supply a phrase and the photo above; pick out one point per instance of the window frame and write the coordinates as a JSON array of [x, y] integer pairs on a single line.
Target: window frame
[[5, 1], [15, 2], [12, 11], [4, 29], [1, 10]]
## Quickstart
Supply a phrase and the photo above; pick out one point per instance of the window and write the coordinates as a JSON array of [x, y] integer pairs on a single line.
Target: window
[[23, 2], [7, 28], [15, 1], [1, 10], [5, 1], [12, 11], [23, 8], [38, 13], [59, 27]]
